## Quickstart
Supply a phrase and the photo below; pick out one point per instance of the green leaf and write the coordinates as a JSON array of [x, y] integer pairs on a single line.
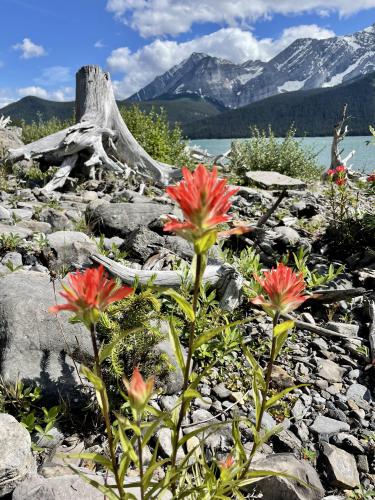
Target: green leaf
[[271, 401], [182, 302], [205, 242], [191, 394], [96, 381], [175, 341], [210, 334], [106, 490], [283, 327], [237, 440]]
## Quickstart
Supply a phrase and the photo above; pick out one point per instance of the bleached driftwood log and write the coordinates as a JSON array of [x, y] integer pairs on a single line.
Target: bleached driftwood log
[[224, 278], [99, 140], [340, 131], [5, 121]]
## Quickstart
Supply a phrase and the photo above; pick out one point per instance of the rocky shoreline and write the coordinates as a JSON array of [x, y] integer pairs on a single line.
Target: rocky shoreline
[[328, 436]]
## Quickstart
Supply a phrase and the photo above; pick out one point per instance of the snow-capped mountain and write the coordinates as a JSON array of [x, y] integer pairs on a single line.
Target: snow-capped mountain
[[305, 64]]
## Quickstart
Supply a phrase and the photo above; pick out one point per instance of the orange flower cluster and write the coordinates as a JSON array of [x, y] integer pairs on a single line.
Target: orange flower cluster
[[139, 391], [204, 200], [338, 175], [284, 290], [89, 293]]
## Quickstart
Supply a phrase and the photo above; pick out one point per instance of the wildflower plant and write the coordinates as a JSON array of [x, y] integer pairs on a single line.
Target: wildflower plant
[[205, 201]]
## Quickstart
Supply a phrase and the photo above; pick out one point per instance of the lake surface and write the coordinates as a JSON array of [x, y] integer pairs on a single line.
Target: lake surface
[[363, 160]]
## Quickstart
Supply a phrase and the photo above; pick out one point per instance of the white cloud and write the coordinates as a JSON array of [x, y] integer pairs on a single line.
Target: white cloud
[[235, 44], [99, 44], [54, 75], [161, 17], [34, 91], [61, 94], [5, 98], [29, 49]]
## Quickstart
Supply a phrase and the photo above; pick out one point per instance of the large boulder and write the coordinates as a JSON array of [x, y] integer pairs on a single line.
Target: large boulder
[[16, 459], [71, 248], [340, 467], [282, 488], [120, 219], [35, 344]]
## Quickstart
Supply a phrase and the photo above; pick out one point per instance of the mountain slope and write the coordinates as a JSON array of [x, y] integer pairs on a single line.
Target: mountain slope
[[313, 112], [182, 109], [305, 64]]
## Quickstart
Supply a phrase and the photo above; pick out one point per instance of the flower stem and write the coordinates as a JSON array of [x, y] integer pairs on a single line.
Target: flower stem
[[105, 411], [192, 328], [140, 457], [264, 393]]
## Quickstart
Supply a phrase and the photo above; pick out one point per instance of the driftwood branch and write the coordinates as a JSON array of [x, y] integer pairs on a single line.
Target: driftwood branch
[[335, 295], [272, 209], [325, 332], [224, 278], [340, 130]]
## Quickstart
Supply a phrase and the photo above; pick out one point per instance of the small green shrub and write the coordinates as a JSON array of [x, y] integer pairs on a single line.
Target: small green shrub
[[132, 348], [155, 135], [37, 129], [263, 151]]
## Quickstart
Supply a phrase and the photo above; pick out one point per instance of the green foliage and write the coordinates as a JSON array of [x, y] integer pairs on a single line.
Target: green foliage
[[40, 128], [134, 348], [114, 253], [263, 151], [24, 404], [311, 277], [155, 135], [9, 242]]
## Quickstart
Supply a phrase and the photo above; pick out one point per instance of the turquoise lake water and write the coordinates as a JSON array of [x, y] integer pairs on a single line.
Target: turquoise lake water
[[363, 160]]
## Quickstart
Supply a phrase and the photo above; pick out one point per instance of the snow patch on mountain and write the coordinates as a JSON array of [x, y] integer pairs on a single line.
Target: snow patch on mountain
[[291, 86]]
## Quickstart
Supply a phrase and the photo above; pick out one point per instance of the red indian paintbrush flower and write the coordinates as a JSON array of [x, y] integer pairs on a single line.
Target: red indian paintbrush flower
[[88, 294], [204, 201], [284, 289], [227, 463], [139, 391]]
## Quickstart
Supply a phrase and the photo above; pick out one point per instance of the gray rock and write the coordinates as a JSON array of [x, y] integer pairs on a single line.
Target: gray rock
[[273, 180], [16, 230], [286, 441], [4, 213], [57, 219], [168, 402], [362, 464], [340, 466], [222, 392], [179, 246], [358, 393], [21, 213], [36, 226], [324, 426], [215, 439], [329, 370], [348, 442], [345, 328], [71, 247], [299, 410], [120, 219], [32, 347], [49, 441], [141, 243], [66, 487], [281, 488], [16, 459], [287, 235], [164, 436], [115, 240], [173, 381], [14, 258]]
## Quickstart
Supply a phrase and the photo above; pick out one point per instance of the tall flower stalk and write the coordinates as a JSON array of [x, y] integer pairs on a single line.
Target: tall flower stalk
[[204, 200], [87, 295]]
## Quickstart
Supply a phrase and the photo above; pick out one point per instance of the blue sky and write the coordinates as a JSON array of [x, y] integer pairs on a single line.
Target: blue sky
[[44, 42]]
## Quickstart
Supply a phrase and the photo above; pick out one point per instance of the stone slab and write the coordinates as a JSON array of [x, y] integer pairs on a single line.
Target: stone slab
[[273, 180]]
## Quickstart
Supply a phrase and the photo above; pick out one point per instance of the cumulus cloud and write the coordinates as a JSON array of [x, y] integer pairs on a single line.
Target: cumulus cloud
[[29, 49], [99, 44], [5, 98], [54, 75], [61, 94], [161, 17], [234, 44]]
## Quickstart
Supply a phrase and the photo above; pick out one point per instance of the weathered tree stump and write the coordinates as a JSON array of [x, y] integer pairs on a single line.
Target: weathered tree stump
[[340, 130], [99, 140]]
